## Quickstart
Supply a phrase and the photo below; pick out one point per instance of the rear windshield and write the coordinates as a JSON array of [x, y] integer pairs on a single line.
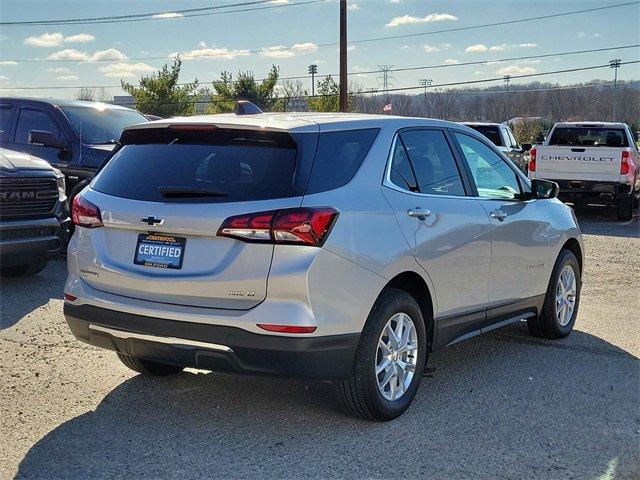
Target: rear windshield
[[492, 133], [228, 165], [589, 136]]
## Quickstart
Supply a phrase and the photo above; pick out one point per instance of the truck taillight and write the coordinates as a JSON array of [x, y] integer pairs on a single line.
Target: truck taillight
[[532, 160], [624, 164], [298, 226], [84, 213]]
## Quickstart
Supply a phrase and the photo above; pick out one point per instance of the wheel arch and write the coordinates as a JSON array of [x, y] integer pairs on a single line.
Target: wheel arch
[[415, 285], [574, 247]]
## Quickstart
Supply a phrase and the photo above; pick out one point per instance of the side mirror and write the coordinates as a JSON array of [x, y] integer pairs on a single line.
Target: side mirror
[[526, 147], [46, 139], [541, 189]]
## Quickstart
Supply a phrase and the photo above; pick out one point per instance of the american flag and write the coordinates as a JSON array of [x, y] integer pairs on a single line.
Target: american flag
[[387, 108]]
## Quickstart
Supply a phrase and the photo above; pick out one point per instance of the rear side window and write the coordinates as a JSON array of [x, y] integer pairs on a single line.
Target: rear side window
[[338, 157], [226, 166], [589, 136]]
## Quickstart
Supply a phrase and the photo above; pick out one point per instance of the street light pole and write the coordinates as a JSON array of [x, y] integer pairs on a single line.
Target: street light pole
[[343, 56], [425, 82], [313, 69], [615, 64]]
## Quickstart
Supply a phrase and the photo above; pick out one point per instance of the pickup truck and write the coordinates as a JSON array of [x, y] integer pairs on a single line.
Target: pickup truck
[[33, 213], [72, 135], [592, 162], [502, 137]]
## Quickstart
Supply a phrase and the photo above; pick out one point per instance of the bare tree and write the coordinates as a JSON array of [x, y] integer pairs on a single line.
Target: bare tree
[[86, 94]]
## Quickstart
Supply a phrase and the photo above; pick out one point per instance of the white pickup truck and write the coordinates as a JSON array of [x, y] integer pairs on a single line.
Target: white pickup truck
[[592, 162]]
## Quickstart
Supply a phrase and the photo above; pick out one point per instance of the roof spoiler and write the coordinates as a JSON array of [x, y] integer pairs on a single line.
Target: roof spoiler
[[245, 107]]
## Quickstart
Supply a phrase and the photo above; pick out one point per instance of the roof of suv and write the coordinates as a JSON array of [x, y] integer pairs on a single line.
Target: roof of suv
[[297, 121], [65, 102]]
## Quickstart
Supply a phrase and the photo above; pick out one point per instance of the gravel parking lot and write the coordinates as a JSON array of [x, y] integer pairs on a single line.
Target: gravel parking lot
[[505, 405]]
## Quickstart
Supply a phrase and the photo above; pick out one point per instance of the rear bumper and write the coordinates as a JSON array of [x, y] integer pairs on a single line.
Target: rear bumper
[[583, 191], [23, 241], [213, 347]]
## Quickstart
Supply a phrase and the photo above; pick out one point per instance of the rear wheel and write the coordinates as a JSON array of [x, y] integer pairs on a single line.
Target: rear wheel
[[389, 360], [561, 301], [28, 270], [148, 367], [625, 208]]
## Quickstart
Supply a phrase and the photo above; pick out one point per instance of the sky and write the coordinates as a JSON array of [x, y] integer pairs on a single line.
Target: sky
[[295, 36]]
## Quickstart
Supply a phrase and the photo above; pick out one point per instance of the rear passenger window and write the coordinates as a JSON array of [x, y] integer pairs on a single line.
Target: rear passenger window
[[433, 163], [338, 157], [34, 120], [401, 170]]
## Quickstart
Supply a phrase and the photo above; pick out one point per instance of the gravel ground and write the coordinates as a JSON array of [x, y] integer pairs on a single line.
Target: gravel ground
[[504, 405]]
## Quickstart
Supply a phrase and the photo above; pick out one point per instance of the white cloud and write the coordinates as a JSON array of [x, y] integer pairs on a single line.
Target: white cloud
[[125, 69], [79, 38], [305, 47], [56, 39], [3, 78], [67, 77], [108, 54], [499, 48], [353, 6], [69, 54], [394, 1], [411, 20], [515, 70], [451, 61], [405, 47], [59, 70], [430, 48], [211, 52], [477, 48], [167, 15], [527, 45], [351, 48], [4, 63], [478, 72], [277, 51], [279, 2]]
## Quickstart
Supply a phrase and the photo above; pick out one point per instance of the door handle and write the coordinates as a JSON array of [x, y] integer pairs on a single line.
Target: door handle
[[498, 215], [421, 213]]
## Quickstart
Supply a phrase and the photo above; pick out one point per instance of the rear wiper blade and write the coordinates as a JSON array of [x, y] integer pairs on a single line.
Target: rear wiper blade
[[189, 192]]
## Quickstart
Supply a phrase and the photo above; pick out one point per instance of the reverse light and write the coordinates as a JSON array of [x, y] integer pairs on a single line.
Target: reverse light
[[532, 160], [84, 213], [624, 164], [298, 226], [269, 327]]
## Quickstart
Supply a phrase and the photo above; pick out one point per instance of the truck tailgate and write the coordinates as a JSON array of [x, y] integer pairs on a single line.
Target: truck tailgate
[[579, 163]]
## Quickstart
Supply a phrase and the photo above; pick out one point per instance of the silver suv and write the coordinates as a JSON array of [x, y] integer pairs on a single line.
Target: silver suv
[[325, 246]]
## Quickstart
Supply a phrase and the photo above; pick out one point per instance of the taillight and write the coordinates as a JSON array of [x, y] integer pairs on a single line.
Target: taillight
[[299, 226], [84, 213], [532, 160], [269, 327], [624, 165]]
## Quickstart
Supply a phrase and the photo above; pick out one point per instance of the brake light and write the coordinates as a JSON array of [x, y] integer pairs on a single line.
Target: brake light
[[269, 327], [624, 165], [71, 298], [532, 160], [84, 213], [299, 226]]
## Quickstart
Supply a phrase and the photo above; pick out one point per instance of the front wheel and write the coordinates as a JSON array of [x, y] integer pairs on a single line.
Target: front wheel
[[561, 302], [389, 361]]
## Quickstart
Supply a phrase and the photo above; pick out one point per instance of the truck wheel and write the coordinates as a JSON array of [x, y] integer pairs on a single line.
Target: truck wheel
[[148, 367], [561, 302], [625, 208], [28, 270], [389, 361]]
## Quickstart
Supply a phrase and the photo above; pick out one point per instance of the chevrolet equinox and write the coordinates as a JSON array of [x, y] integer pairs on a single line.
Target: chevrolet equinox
[[338, 247]]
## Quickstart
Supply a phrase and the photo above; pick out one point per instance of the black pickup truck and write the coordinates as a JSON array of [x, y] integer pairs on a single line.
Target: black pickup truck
[[34, 217], [72, 135]]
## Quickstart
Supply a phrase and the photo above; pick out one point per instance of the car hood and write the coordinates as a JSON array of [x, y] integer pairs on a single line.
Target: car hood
[[12, 161]]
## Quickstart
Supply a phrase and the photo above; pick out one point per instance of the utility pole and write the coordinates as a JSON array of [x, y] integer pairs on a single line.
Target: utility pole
[[615, 64], [425, 82], [313, 69], [343, 56], [507, 79]]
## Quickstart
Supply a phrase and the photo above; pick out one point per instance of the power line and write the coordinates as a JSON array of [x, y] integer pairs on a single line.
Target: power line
[[164, 15], [403, 69]]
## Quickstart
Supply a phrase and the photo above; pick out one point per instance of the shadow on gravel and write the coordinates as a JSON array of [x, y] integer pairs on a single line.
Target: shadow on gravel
[[32, 292], [598, 220], [506, 405]]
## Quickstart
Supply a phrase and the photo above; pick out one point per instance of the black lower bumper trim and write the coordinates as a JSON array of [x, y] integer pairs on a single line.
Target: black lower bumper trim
[[584, 191], [322, 358]]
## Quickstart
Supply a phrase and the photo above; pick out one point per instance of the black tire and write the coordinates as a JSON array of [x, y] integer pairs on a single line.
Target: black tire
[[28, 270], [625, 208], [547, 325], [148, 367], [359, 393]]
